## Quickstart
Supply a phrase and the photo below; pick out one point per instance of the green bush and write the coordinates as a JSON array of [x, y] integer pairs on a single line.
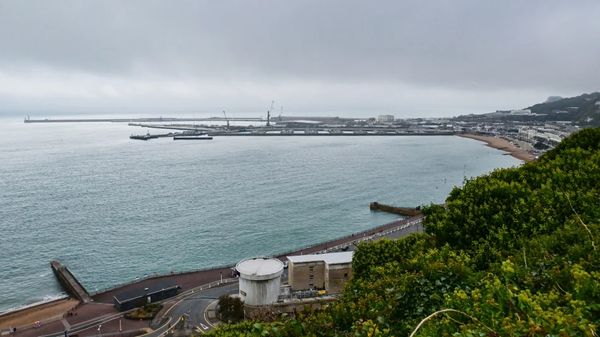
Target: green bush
[[146, 312], [230, 309]]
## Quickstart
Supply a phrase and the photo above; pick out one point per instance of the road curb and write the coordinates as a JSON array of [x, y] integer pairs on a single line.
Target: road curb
[[162, 326], [211, 306]]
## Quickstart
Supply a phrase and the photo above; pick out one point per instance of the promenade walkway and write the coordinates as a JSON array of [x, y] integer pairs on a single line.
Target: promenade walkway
[[102, 303]]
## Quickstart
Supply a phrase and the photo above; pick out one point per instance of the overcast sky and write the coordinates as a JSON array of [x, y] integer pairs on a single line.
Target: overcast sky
[[407, 58]]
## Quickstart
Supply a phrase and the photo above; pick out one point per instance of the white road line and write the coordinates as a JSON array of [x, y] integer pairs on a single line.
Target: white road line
[[206, 317]]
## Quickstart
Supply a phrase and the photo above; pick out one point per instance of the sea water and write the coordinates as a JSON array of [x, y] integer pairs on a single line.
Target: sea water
[[114, 209]]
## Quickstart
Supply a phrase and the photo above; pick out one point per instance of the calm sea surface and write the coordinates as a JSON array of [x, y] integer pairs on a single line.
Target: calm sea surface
[[113, 209]]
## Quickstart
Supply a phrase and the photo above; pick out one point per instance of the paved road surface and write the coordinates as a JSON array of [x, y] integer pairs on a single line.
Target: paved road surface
[[194, 307]]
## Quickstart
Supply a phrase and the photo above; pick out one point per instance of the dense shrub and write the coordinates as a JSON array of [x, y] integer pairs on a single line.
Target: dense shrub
[[147, 312], [230, 309]]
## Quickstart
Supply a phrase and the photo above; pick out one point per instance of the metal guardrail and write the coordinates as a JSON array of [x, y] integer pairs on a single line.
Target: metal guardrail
[[192, 291], [189, 292], [206, 286], [157, 275], [411, 223]]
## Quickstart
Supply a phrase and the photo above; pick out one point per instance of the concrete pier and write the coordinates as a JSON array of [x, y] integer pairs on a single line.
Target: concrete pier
[[406, 211], [148, 120], [69, 282], [316, 130]]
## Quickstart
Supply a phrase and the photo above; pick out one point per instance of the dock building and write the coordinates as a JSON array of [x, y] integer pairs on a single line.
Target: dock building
[[139, 296], [320, 271], [385, 118]]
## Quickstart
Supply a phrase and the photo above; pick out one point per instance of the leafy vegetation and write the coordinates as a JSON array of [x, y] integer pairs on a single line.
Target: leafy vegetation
[[230, 309], [513, 253], [146, 312], [582, 109]]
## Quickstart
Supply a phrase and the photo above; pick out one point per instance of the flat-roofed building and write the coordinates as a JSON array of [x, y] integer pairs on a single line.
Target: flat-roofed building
[[328, 271], [385, 118], [137, 297]]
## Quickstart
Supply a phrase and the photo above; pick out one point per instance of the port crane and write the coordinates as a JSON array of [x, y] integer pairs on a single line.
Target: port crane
[[269, 113], [226, 119]]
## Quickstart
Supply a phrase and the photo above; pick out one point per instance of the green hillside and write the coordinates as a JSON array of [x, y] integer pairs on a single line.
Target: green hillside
[[513, 253], [583, 109]]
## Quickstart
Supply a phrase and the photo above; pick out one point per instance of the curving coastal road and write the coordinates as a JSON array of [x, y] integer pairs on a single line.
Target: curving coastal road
[[191, 304], [193, 307]]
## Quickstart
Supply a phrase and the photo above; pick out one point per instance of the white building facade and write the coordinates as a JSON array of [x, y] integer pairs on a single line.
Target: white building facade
[[260, 280]]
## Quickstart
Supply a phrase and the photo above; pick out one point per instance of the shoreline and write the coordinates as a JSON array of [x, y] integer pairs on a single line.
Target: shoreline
[[36, 312], [501, 144], [50, 313]]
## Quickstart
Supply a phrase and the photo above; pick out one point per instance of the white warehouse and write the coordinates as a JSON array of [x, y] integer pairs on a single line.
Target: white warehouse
[[385, 118], [260, 279]]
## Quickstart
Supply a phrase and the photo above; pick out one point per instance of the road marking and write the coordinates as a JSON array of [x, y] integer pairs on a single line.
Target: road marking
[[159, 328], [203, 326], [206, 317]]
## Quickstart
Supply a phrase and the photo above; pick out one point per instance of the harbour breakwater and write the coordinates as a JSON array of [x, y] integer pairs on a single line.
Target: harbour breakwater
[[294, 130], [405, 211], [69, 282], [146, 120]]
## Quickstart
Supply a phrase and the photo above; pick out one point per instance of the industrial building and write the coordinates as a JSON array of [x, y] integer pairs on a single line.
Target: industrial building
[[139, 296], [260, 280], [320, 271], [385, 118]]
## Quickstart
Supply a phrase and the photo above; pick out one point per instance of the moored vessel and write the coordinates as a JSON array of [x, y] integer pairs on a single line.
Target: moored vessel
[[192, 137]]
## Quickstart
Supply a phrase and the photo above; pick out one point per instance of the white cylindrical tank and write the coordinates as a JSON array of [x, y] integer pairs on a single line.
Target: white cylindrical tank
[[260, 279]]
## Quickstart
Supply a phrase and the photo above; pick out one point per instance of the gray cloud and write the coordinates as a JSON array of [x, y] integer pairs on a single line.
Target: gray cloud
[[452, 55]]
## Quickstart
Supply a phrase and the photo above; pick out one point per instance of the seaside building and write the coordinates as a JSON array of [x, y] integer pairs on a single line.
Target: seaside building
[[543, 135], [139, 296], [320, 271], [385, 118], [260, 280], [522, 112]]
